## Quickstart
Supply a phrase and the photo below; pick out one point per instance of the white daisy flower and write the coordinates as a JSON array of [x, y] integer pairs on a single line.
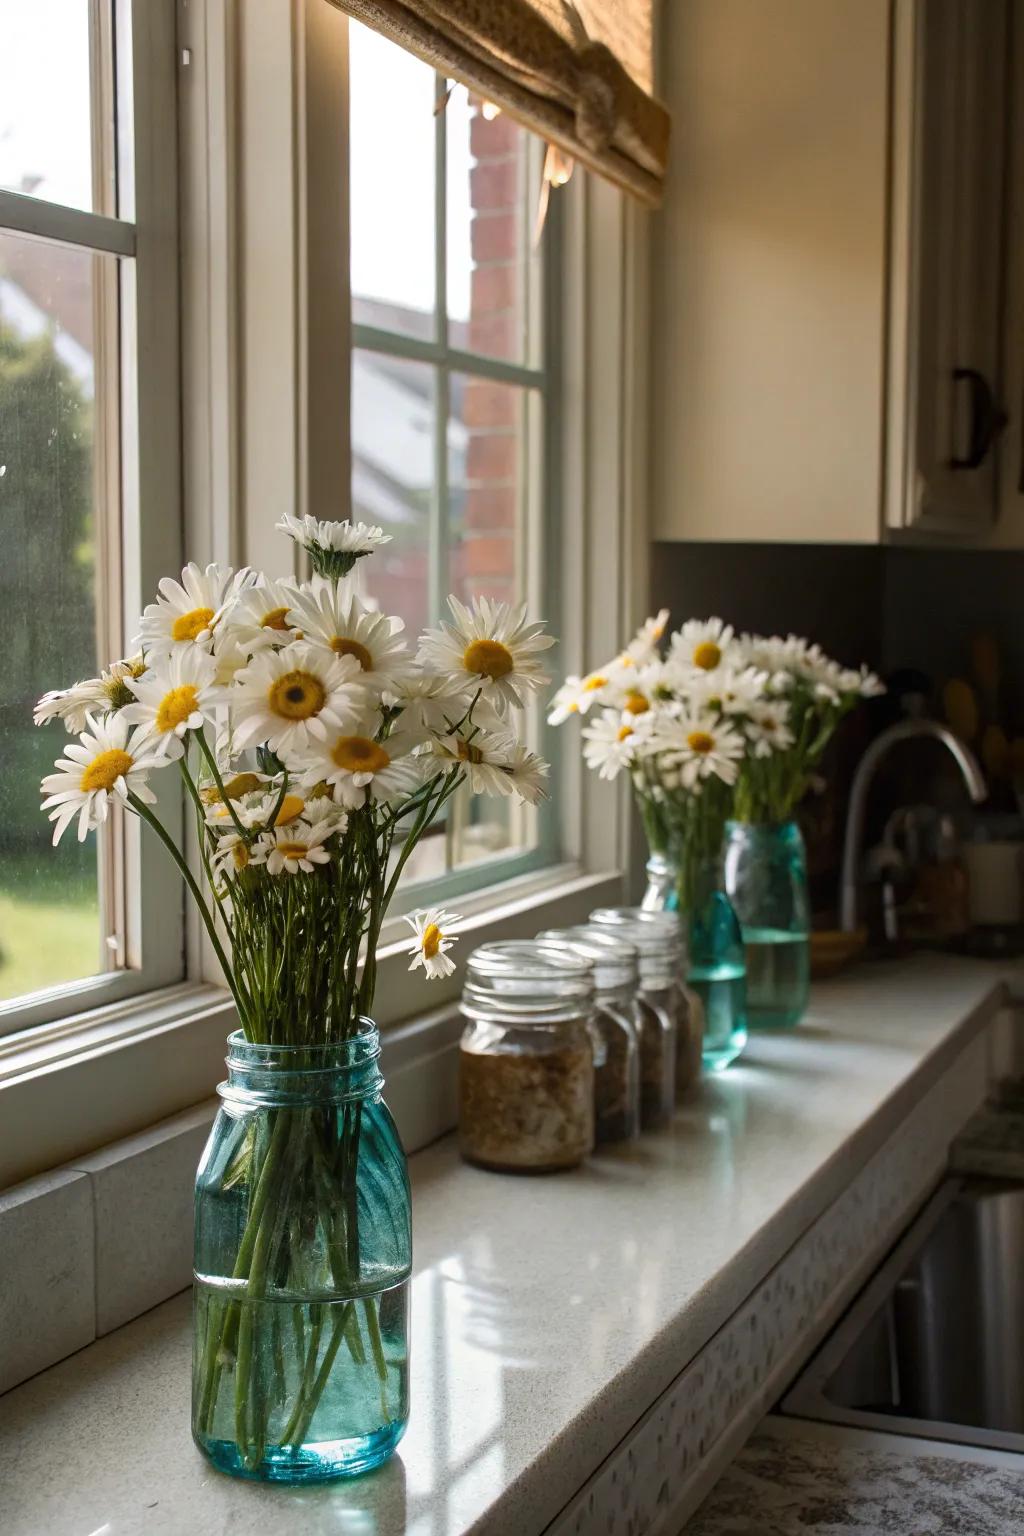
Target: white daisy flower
[[187, 612], [333, 546], [701, 746], [297, 848], [352, 763], [772, 653], [176, 695], [328, 615], [431, 700], [495, 763], [72, 705], [768, 727], [434, 938], [232, 853], [491, 647], [258, 617], [862, 682], [109, 760], [577, 695], [236, 785], [610, 743], [261, 810], [705, 644], [644, 645], [290, 698], [727, 691]]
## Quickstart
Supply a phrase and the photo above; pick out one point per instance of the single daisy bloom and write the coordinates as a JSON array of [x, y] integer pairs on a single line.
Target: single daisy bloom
[[290, 698], [236, 785], [861, 682], [772, 653], [72, 705], [328, 615], [578, 694], [106, 762], [334, 546], [490, 647], [701, 746], [644, 645], [188, 611], [726, 690], [434, 938], [264, 809], [704, 644], [495, 763], [610, 743], [232, 853], [297, 848], [176, 695], [352, 763], [768, 727], [432, 701], [258, 617]]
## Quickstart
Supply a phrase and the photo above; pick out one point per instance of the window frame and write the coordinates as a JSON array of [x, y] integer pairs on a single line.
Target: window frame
[[138, 530], [249, 278]]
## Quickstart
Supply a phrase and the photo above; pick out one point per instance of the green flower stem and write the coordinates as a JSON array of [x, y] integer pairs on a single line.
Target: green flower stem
[[141, 809]]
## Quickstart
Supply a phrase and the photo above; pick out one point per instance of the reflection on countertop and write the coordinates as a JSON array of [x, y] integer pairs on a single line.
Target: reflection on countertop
[[797, 1479]]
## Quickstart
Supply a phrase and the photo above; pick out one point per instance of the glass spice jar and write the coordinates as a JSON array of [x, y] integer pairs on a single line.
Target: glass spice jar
[[617, 1057], [526, 1058], [656, 1025]]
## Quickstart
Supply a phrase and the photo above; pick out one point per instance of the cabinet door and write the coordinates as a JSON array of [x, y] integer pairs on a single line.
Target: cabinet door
[[950, 100]]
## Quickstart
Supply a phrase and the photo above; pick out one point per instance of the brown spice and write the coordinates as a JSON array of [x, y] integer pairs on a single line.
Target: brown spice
[[528, 1112], [614, 1082], [657, 1070]]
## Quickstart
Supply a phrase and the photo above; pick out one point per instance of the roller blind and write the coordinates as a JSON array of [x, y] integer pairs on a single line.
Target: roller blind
[[580, 75]]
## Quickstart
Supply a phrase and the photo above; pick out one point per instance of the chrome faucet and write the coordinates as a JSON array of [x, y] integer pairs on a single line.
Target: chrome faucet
[[903, 730]]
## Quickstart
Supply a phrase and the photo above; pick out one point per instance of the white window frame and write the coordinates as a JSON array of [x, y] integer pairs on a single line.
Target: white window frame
[[138, 524], [259, 383]]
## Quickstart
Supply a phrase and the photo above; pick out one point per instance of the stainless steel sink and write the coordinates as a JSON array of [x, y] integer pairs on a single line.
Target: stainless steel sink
[[934, 1346]]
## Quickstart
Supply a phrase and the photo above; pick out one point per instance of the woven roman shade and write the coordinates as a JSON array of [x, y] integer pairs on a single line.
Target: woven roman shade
[[579, 75]]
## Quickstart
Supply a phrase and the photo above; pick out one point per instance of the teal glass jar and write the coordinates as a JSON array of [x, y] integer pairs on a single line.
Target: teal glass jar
[[303, 1252], [766, 878], [717, 963]]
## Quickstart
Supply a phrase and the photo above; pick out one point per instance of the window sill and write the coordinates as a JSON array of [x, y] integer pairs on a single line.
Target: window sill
[[626, 1324], [69, 1087]]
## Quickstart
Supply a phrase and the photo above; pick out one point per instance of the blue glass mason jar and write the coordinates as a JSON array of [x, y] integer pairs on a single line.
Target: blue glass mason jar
[[303, 1252], [766, 878], [716, 964]]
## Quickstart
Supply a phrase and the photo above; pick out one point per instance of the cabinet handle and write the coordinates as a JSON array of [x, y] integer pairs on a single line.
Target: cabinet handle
[[987, 418]]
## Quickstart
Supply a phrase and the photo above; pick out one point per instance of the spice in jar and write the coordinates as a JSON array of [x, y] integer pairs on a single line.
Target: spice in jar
[[526, 1059], [617, 1060]]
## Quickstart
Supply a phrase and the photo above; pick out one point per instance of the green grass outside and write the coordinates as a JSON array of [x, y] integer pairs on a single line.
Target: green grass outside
[[49, 926]]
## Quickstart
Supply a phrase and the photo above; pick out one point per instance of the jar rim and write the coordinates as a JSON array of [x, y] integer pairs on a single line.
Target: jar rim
[[320, 1055]]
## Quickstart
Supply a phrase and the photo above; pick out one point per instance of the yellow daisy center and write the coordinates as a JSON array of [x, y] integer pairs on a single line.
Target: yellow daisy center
[[176, 706], [636, 704], [358, 754], [189, 626], [291, 806], [432, 937], [624, 732], [277, 618], [488, 658], [467, 753], [707, 656], [105, 770], [293, 850], [240, 855], [297, 696], [342, 646], [700, 742], [238, 785], [592, 684]]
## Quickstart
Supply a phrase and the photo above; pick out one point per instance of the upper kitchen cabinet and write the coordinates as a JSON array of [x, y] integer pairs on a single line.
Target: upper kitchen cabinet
[[828, 270]]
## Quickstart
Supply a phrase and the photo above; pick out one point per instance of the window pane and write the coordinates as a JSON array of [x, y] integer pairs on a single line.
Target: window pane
[[493, 273], [45, 132], [491, 433], [49, 903], [393, 479], [391, 169]]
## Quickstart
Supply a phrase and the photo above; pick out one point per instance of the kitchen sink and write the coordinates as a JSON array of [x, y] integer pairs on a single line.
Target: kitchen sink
[[934, 1345]]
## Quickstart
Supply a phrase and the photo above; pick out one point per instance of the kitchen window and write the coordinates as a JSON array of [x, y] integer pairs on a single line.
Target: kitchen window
[[89, 507]]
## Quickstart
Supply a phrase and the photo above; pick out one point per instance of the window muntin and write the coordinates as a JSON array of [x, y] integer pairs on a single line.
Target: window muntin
[[449, 388]]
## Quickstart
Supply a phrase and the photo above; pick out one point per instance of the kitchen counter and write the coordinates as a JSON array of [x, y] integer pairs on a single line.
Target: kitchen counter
[[549, 1314], [796, 1479]]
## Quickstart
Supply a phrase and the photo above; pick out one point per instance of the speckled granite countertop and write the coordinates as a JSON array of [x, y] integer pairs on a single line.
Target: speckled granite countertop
[[797, 1479], [547, 1314], [992, 1144]]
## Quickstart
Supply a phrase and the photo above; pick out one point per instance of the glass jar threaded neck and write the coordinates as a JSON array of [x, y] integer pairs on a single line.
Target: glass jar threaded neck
[[337, 1072]]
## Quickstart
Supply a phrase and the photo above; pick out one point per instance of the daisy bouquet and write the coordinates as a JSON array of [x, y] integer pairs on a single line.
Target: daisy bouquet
[[315, 748]]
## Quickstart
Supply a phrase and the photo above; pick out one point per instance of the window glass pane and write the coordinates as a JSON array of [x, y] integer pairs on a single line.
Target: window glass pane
[[493, 272], [393, 480], [391, 169], [45, 133], [491, 432], [49, 903]]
